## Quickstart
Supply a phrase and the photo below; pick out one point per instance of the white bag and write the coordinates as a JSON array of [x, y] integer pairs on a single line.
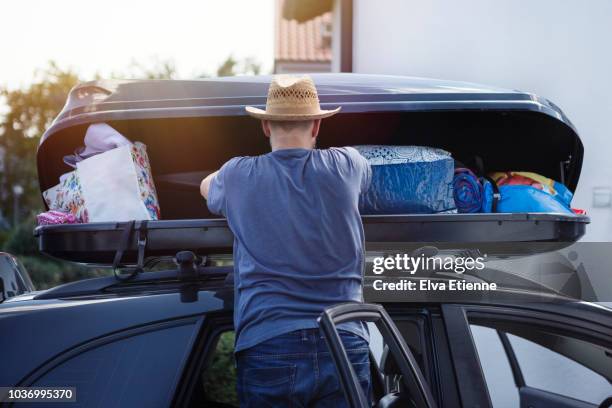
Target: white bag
[[117, 185]]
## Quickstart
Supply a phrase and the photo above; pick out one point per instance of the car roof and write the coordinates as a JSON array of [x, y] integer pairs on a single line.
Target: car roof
[[218, 296], [68, 322], [75, 320], [104, 289]]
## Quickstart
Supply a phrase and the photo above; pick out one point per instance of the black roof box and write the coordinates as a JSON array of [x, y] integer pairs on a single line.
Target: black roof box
[[193, 127], [197, 125], [97, 243]]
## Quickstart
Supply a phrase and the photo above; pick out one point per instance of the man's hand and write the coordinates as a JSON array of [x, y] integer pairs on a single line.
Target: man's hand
[[205, 185]]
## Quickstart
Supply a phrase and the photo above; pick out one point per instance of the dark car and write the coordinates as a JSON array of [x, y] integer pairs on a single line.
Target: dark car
[[160, 333], [14, 280]]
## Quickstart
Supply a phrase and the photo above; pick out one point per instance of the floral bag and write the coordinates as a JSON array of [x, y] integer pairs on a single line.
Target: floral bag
[[116, 185], [67, 197]]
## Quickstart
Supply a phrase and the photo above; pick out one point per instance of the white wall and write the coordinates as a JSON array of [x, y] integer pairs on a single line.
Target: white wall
[[558, 49]]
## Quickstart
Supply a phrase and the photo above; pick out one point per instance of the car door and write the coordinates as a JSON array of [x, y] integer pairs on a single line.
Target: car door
[[414, 390], [533, 358]]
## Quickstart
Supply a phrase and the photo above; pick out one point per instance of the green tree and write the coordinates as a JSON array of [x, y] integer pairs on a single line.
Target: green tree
[[227, 67], [30, 111], [219, 379]]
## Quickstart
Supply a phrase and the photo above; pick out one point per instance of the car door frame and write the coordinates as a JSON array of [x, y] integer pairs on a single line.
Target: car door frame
[[201, 353], [415, 380], [124, 334], [458, 317], [473, 391]]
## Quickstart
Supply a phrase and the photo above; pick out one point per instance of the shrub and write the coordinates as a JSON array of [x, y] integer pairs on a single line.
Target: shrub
[[20, 240], [220, 376]]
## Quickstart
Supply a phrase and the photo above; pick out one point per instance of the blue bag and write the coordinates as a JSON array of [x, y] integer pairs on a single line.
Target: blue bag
[[467, 191], [523, 198], [408, 179]]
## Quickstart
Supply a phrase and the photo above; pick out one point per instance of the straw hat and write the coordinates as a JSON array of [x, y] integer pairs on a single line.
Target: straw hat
[[291, 98]]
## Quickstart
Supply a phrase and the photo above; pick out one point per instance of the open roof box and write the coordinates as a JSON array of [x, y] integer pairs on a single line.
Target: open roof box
[[192, 127]]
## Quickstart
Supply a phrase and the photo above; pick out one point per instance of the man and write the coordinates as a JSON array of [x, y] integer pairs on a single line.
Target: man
[[298, 248]]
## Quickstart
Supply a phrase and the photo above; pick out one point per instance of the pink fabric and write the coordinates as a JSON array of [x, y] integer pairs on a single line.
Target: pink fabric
[[55, 217]]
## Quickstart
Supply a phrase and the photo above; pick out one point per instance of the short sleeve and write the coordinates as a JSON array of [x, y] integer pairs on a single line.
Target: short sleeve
[[366, 179], [363, 168], [217, 192]]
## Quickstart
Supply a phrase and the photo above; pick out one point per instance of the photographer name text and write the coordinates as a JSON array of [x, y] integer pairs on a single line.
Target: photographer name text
[[404, 263]]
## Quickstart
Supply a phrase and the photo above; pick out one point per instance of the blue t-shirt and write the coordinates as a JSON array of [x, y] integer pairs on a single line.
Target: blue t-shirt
[[299, 241]]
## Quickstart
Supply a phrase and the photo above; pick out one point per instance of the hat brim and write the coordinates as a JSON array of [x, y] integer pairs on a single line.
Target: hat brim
[[262, 114]]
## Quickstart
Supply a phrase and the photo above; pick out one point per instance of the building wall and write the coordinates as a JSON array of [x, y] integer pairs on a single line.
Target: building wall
[[336, 37], [292, 67], [558, 49]]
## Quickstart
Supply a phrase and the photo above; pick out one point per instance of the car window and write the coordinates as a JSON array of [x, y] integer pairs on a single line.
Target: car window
[[140, 370], [495, 367], [549, 371], [376, 342], [219, 376], [14, 279], [542, 364], [216, 386]]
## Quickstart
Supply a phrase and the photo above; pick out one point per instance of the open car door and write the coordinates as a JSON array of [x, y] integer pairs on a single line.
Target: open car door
[[414, 392]]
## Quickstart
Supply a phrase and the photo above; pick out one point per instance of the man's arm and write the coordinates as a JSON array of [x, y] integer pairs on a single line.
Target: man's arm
[[205, 185], [363, 166]]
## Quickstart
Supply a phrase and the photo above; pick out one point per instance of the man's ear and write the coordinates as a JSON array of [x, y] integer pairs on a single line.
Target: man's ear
[[315, 128], [265, 126]]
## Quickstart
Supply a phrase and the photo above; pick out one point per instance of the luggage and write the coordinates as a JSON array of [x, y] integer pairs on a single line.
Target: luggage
[[408, 180], [117, 185], [467, 191], [67, 197], [99, 138], [526, 192], [522, 199], [509, 192], [112, 185], [552, 187]]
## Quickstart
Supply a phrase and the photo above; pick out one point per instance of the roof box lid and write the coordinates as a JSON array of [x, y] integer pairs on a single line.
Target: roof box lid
[[193, 126]]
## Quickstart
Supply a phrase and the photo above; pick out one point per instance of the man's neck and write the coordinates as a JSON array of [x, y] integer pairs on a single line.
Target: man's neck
[[280, 143]]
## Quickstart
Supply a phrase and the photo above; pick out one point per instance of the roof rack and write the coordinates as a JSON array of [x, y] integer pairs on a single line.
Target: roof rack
[[100, 285]]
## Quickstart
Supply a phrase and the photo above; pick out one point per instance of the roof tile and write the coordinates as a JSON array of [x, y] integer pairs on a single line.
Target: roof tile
[[301, 41]]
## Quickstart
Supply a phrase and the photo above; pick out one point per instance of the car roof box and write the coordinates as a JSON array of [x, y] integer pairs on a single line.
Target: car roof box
[[192, 127], [98, 243]]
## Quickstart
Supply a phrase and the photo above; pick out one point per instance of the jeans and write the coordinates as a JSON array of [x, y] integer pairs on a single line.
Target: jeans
[[296, 370]]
